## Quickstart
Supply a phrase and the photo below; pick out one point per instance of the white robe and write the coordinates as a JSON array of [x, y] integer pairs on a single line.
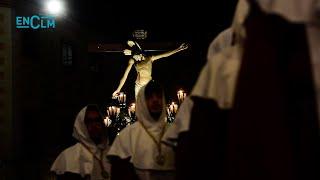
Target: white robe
[[303, 12], [134, 142], [77, 159]]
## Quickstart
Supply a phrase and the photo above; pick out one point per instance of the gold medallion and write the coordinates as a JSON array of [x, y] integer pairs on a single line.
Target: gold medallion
[[105, 174], [160, 159]]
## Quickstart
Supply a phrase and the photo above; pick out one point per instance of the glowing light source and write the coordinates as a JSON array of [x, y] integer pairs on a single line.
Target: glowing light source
[[107, 121], [181, 95], [55, 7], [132, 110]]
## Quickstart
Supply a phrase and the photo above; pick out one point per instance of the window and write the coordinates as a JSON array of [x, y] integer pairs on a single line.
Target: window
[[67, 54]]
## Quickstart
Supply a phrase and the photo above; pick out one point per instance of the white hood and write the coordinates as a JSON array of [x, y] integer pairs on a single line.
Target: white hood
[[77, 159], [134, 142], [80, 131], [218, 77], [297, 11], [143, 114], [223, 40], [305, 12]]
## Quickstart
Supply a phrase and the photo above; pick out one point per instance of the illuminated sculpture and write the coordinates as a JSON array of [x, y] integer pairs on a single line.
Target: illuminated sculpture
[[143, 65]]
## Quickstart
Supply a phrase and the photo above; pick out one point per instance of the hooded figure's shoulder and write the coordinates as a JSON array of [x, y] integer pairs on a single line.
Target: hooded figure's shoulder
[[69, 160], [72, 149], [129, 129], [121, 146]]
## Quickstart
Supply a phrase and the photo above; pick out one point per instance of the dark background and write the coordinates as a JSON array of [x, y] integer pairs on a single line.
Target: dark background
[[47, 95]]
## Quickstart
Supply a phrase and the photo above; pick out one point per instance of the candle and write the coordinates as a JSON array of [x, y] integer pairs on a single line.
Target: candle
[[122, 97], [133, 107], [168, 111], [113, 111], [175, 108], [181, 95], [118, 111], [119, 97], [180, 92], [171, 108], [107, 121]]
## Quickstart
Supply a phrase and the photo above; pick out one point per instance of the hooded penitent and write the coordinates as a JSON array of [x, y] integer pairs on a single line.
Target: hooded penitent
[[79, 159], [306, 12], [134, 142], [253, 105]]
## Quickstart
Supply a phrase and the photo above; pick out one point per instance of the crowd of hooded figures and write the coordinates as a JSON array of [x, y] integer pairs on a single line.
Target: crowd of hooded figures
[[252, 114]]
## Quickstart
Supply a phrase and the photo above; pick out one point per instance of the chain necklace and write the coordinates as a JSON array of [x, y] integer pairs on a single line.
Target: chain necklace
[[160, 159], [104, 173]]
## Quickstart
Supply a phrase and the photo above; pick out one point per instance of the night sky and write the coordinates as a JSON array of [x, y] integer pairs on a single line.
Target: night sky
[[166, 20]]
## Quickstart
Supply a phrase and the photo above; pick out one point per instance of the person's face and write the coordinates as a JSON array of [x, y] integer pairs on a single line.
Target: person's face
[[139, 57], [154, 103], [94, 125]]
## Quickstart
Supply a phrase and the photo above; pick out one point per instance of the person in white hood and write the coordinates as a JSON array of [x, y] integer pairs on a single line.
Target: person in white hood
[[140, 142], [86, 159]]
